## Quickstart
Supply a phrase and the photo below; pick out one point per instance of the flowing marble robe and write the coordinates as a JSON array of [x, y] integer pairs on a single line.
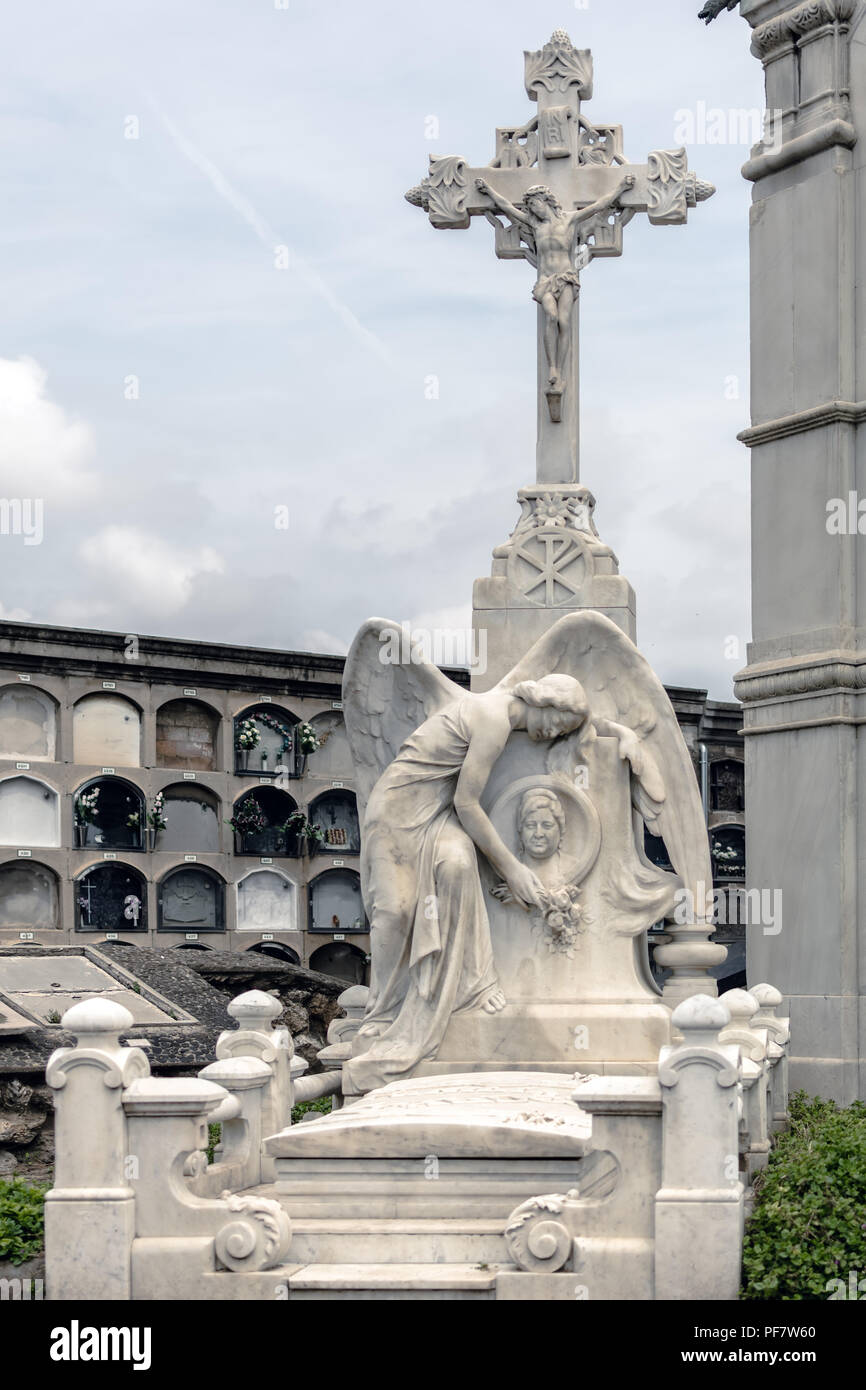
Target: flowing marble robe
[[430, 935]]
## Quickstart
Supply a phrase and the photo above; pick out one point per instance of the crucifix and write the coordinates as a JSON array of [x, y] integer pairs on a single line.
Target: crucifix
[[558, 192]]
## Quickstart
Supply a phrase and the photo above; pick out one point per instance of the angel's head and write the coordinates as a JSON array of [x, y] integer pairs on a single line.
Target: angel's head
[[554, 705]]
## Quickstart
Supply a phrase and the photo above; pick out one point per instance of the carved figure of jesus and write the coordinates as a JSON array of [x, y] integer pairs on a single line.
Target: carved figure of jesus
[[552, 234]]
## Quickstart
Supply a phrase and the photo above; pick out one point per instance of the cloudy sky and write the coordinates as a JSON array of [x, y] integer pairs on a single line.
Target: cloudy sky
[[176, 387]]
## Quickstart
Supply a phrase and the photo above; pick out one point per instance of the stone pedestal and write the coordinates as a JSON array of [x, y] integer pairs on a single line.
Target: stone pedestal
[[90, 1211], [553, 563], [803, 688]]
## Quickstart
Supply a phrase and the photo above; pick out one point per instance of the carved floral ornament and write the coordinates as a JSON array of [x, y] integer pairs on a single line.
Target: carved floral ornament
[[257, 1236], [443, 193], [785, 29], [672, 188], [540, 1232], [558, 66]]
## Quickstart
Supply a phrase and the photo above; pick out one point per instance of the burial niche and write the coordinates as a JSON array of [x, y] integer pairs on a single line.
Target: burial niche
[[267, 901], [277, 950], [342, 960], [335, 814], [106, 729], [186, 735], [191, 820], [728, 851], [28, 723], [109, 813], [727, 785], [335, 902], [332, 757], [191, 899], [28, 897], [656, 850], [29, 813], [266, 742], [111, 897], [260, 820]]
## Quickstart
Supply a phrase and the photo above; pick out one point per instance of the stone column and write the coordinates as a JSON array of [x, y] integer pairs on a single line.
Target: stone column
[[753, 1042], [804, 688], [779, 1033], [90, 1211], [256, 1037], [699, 1206], [248, 1081]]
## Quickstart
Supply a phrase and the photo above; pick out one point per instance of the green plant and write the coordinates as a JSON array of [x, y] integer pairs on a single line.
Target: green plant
[[21, 1219], [809, 1220], [214, 1134], [322, 1105], [305, 830], [53, 1016]]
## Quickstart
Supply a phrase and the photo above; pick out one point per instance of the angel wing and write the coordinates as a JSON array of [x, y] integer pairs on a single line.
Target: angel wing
[[621, 686], [388, 691]]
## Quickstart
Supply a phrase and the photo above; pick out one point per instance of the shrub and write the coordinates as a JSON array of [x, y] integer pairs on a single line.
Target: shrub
[[323, 1105], [214, 1134], [809, 1221], [21, 1219]]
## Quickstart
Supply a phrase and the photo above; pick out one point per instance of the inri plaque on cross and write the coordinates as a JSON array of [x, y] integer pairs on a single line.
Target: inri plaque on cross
[[558, 192]]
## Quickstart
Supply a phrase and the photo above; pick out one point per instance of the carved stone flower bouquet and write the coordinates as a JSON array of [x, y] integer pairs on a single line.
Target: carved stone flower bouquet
[[561, 918]]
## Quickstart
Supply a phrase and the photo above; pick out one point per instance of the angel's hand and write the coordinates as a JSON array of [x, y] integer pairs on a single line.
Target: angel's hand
[[502, 893], [630, 751], [526, 889]]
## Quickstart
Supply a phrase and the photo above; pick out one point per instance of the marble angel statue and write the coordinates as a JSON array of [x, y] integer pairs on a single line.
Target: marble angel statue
[[424, 749]]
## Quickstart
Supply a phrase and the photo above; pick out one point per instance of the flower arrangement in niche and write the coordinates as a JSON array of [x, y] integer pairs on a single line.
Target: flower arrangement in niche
[[725, 856], [86, 807], [270, 721], [308, 741], [305, 829], [156, 815], [248, 736], [249, 818]]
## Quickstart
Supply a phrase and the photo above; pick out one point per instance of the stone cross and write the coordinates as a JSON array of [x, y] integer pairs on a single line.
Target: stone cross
[[558, 192]]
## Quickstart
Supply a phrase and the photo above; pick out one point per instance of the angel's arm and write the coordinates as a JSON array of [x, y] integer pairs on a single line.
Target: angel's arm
[[489, 731], [502, 205], [486, 742], [642, 763]]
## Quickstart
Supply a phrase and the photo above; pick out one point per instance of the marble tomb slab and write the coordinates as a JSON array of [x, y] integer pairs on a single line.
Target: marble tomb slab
[[490, 1115]]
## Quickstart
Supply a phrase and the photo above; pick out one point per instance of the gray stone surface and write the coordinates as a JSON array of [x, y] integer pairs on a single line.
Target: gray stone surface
[[803, 689]]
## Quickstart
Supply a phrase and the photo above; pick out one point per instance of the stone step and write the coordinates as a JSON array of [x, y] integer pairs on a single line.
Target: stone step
[[389, 1241], [393, 1281]]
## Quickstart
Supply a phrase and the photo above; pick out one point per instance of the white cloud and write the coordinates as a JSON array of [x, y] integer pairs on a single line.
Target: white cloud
[[316, 639], [15, 615], [42, 451], [142, 568]]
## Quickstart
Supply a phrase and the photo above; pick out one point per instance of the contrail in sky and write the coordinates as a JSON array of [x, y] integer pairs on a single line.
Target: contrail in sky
[[269, 238]]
